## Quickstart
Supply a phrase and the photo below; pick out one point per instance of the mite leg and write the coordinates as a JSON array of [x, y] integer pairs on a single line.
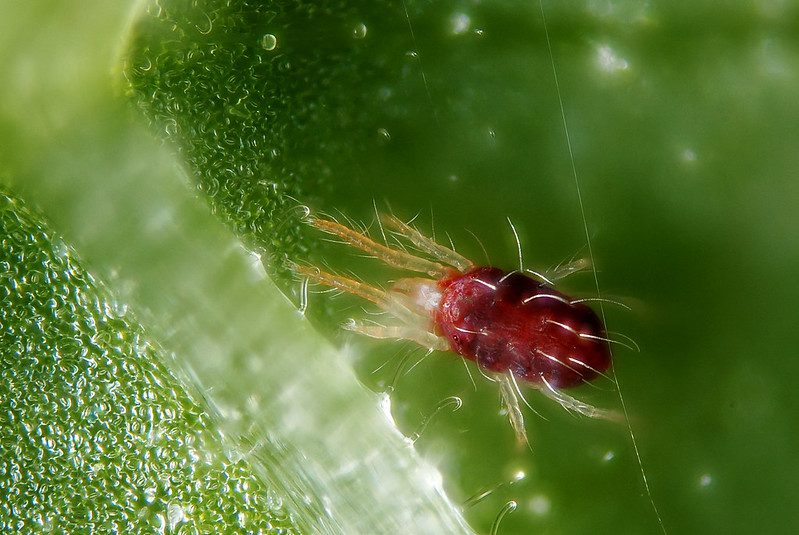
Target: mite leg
[[572, 404], [393, 257], [439, 252], [510, 400], [424, 338], [370, 293], [410, 330], [561, 271]]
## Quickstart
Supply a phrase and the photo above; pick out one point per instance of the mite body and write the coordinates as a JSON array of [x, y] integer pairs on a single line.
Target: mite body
[[511, 323], [516, 328]]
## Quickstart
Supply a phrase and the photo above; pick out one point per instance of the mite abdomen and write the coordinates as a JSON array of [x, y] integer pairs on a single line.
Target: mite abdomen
[[509, 322]]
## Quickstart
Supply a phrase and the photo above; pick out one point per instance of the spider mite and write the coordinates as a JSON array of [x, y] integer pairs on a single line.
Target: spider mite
[[516, 328]]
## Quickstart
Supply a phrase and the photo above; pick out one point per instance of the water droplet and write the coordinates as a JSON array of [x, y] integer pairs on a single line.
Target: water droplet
[[383, 136], [479, 32], [384, 93], [705, 480], [459, 23], [609, 61], [412, 54], [269, 42], [540, 505], [688, 155], [60, 248], [359, 31], [171, 127], [609, 456], [175, 515]]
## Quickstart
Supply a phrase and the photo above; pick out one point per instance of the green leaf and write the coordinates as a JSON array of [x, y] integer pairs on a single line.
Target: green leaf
[[268, 427], [96, 434], [681, 119]]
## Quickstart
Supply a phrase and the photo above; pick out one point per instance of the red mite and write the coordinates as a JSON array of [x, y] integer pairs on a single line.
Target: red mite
[[508, 322], [513, 326]]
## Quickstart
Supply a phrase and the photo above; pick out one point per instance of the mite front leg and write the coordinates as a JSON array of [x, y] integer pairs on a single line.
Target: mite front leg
[[375, 295], [426, 339], [438, 251], [392, 257]]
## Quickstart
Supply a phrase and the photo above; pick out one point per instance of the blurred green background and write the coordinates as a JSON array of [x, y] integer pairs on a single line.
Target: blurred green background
[[123, 125]]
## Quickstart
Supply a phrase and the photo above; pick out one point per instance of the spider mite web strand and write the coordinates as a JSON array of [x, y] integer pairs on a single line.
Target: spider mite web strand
[[593, 264], [419, 59]]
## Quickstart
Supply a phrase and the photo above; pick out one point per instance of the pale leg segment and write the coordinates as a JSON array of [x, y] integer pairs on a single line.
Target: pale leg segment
[[365, 291], [422, 337], [392, 257], [510, 400], [561, 271], [412, 324], [438, 251], [572, 404]]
